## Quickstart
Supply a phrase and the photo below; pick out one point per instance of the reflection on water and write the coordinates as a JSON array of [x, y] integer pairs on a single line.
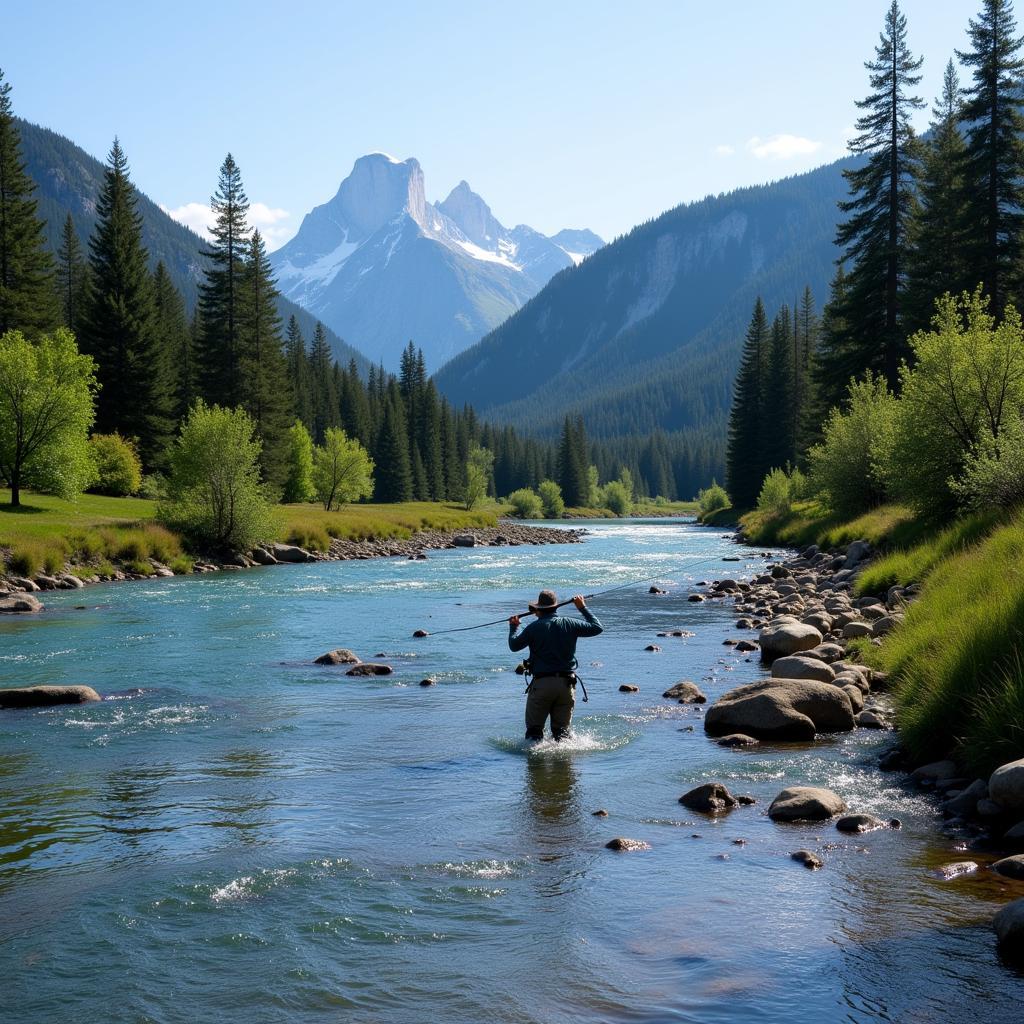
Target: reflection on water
[[263, 839]]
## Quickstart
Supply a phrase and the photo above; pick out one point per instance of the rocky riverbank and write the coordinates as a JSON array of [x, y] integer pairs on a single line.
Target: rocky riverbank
[[17, 593], [810, 627]]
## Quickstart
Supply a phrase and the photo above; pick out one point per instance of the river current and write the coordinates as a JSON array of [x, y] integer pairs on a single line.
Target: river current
[[236, 835]]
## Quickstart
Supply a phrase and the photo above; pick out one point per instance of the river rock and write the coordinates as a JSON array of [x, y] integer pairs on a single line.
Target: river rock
[[1006, 785], [711, 798], [747, 646], [44, 696], [68, 581], [955, 870], [24, 583], [744, 623], [1009, 926], [821, 621], [855, 629], [737, 739], [781, 709], [808, 859], [799, 666], [695, 598], [781, 637], [290, 553], [685, 692], [965, 803], [859, 823], [652, 647], [369, 668], [886, 624], [262, 557], [600, 813], [339, 656], [1011, 867], [806, 803], [1014, 837], [629, 688], [656, 590], [464, 540], [826, 652], [936, 771], [988, 808], [420, 633], [15, 604], [856, 697], [870, 720], [428, 682], [624, 845], [857, 552]]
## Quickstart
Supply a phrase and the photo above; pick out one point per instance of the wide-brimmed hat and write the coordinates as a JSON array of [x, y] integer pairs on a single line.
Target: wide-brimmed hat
[[546, 600]]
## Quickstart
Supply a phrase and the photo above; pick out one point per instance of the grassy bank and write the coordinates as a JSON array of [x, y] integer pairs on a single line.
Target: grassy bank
[[95, 534], [956, 663], [640, 510]]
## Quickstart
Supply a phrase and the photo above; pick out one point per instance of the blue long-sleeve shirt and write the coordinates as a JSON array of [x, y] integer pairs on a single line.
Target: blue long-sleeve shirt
[[552, 640]]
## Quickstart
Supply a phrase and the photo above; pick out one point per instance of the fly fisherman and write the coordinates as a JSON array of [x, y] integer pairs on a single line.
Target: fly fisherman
[[552, 642]]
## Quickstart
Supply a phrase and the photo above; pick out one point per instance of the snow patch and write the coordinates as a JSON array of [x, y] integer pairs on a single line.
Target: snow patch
[[320, 272]]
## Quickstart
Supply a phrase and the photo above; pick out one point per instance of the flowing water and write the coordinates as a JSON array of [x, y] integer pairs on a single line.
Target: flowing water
[[236, 835]]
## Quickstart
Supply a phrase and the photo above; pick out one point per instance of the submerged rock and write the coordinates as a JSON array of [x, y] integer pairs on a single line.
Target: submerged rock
[[859, 823], [629, 688], [369, 668], [339, 656], [806, 803], [1009, 926], [685, 692], [808, 859], [45, 696], [1011, 867], [420, 633], [625, 845], [711, 798], [600, 813], [428, 682], [737, 739], [956, 869]]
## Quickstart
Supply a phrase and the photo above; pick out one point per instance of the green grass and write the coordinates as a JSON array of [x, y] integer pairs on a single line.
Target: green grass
[[641, 509], [809, 523], [956, 662]]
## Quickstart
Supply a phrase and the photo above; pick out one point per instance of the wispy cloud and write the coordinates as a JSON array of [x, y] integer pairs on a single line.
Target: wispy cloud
[[272, 221], [782, 147], [724, 150]]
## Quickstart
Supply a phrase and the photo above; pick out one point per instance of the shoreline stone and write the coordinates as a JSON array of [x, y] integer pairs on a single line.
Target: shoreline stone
[[46, 696]]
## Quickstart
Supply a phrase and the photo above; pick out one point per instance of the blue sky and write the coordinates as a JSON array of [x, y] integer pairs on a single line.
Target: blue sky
[[559, 113]]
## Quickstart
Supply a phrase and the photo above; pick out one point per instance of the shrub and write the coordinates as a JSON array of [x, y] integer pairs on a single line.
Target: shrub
[[775, 497], [712, 499], [526, 504], [26, 560], [163, 545], [616, 498], [181, 565], [313, 538], [551, 499], [140, 567], [153, 486], [216, 497], [994, 472], [843, 468], [479, 467], [118, 467]]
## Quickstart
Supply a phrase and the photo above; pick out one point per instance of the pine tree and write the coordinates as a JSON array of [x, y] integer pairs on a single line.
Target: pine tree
[[174, 339], [572, 463], [119, 328], [297, 359], [394, 473], [220, 294], [994, 157], [778, 440], [325, 398], [28, 302], [941, 235], [266, 395], [808, 332], [875, 237], [72, 278], [744, 459]]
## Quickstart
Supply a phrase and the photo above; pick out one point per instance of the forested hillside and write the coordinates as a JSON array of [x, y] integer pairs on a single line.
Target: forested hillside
[[68, 180]]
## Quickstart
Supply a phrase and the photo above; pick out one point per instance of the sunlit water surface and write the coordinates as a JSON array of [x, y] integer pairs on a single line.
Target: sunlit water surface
[[236, 835]]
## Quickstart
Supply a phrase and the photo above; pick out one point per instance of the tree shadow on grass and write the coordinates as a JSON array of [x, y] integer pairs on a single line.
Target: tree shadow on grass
[[22, 510]]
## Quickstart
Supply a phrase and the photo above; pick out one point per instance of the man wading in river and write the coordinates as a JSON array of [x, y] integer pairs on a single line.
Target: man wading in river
[[552, 642]]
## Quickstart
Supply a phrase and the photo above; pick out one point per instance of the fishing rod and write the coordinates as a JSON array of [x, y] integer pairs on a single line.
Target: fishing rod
[[587, 597]]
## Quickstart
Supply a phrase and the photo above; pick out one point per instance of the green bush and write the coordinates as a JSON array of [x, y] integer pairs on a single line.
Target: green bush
[[774, 497], [551, 499], [26, 560], [181, 565], [616, 498], [843, 469], [118, 466], [313, 538], [216, 497], [712, 499], [994, 471], [526, 504], [153, 487]]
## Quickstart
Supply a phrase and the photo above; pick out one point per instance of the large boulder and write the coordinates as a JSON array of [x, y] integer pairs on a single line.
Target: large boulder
[[339, 656], [686, 693], [787, 636], [711, 798], [800, 666], [464, 540], [1006, 786], [965, 803], [781, 709], [1011, 867], [262, 557], [806, 803], [856, 553], [855, 629], [1009, 926], [14, 604], [44, 696], [291, 553]]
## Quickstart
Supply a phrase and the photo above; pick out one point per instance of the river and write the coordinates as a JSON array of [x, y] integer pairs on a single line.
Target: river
[[234, 834]]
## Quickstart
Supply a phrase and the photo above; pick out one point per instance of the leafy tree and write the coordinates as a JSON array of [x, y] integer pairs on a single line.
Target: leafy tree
[[221, 293], [940, 235], [967, 379], [216, 498], [551, 499], [994, 471], [994, 159], [526, 504], [744, 460], [843, 469], [616, 498], [46, 410], [874, 238], [298, 485], [263, 370], [712, 498], [118, 466], [27, 299], [342, 470], [119, 329], [72, 278], [175, 342], [479, 466]]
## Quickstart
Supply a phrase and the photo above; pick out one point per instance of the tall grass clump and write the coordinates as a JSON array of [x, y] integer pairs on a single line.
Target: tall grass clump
[[954, 663]]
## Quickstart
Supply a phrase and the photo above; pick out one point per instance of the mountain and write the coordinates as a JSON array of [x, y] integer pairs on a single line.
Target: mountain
[[381, 265], [68, 181], [646, 333]]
